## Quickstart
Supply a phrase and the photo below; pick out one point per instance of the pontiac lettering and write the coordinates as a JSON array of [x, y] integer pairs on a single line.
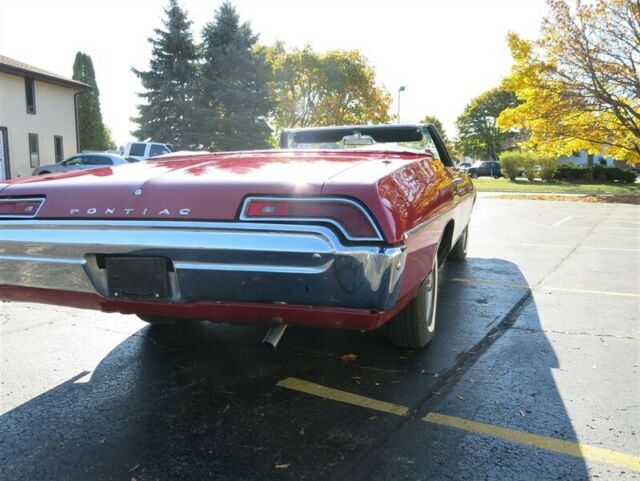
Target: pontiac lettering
[[131, 212]]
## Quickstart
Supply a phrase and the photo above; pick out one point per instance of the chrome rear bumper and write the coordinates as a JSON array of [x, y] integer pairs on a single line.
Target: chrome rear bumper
[[212, 261]]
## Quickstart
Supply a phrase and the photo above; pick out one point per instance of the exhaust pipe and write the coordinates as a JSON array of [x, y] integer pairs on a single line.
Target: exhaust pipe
[[274, 335]]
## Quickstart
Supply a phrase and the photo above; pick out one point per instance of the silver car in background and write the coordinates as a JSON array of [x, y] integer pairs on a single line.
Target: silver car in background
[[90, 160]]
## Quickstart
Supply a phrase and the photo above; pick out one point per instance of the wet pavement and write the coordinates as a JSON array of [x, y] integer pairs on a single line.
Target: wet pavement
[[534, 373]]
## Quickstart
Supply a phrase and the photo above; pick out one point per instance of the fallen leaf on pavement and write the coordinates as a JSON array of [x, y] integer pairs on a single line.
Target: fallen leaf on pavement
[[134, 468], [282, 466], [349, 357]]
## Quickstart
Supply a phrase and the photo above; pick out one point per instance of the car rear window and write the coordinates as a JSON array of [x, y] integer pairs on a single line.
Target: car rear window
[[137, 149]]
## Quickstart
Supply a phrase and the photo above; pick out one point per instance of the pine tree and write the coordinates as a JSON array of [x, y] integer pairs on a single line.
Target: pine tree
[[93, 133], [169, 83], [234, 102]]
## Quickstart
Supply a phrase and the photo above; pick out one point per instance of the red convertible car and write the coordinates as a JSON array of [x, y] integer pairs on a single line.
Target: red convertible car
[[342, 227]]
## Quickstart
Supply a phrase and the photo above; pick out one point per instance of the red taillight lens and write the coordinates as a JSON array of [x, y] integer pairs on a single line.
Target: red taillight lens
[[351, 218], [19, 207]]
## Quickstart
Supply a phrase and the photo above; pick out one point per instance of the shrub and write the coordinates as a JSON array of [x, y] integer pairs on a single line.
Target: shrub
[[613, 174], [529, 164], [598, 172], [570, 172], [510, 164], [547, 167]]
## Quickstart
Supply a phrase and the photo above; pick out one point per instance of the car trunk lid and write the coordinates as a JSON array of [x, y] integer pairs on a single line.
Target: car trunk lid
[[198, 186]]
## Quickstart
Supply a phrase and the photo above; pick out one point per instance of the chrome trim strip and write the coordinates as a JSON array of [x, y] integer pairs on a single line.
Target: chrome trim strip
[[25, 199], [245, 206], [250, 268], [413, 231], [50, 260]]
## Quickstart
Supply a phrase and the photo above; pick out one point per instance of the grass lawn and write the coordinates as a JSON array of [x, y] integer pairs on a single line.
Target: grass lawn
[[521, 185]]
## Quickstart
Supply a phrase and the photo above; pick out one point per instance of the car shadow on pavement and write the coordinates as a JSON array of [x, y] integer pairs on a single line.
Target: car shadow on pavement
[[201, 401]]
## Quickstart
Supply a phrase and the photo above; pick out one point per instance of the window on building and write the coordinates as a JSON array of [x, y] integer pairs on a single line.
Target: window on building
[[34, 150], [30, 93], [57, 148]]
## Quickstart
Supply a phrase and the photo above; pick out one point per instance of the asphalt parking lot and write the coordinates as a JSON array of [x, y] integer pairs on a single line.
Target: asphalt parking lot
[[534, 373]]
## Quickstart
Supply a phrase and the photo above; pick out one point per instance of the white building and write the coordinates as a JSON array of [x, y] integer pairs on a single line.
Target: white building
[[38, 117], [582, 158]]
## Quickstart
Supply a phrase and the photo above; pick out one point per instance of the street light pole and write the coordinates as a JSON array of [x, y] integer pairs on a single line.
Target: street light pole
[[400, 90]]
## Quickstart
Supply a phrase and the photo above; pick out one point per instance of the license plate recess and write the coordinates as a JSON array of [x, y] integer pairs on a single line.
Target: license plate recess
[[138, 278]]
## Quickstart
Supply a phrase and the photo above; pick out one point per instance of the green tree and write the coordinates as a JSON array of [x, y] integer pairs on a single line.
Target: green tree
[[479, 136], [338, 87], [233, 102], [167, 114], [432, 119], [94, 135]]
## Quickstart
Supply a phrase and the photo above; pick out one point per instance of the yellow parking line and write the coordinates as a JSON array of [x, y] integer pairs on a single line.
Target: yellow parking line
[[570, 448], [324, 392], [560, 246], [544, 287], [547, 443]]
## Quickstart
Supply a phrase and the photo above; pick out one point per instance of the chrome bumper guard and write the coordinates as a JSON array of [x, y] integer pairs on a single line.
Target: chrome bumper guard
[[212, 261]]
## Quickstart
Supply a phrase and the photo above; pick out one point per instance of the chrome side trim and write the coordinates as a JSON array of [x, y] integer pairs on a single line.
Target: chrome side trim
[[245, 206], [413, 231], [18, 199], [426, 223]]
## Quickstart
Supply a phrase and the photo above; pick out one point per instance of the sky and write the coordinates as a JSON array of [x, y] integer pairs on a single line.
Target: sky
[[443, 52]]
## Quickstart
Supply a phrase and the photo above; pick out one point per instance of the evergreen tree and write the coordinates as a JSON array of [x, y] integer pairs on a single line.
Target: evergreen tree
[[234, 102], [93, 133], [169, 83]]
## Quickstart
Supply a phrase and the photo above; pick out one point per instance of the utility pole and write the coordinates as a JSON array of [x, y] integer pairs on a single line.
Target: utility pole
[[400, 90]]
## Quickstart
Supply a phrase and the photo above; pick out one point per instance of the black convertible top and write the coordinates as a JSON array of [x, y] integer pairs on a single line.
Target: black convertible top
[[379, 133]]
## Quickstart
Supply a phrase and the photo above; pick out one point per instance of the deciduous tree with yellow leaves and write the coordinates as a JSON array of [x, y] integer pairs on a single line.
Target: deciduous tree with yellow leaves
[[579, 83], [333, 88]]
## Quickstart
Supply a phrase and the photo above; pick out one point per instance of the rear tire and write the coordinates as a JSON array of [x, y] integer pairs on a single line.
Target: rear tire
[[415, 325], [459, 251], [44, 172], [159, 320], [474, 175]]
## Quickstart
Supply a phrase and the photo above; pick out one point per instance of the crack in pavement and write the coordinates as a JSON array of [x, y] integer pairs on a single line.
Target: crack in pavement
[[593, 334], [359, 468]]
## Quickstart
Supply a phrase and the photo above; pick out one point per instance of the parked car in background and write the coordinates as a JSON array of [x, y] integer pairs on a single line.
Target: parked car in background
[[144, 150], [463, 167], [89, 160], [347, 235], [485, 168]]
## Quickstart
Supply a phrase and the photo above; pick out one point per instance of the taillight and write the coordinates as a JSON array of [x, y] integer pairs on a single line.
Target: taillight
[[19, 208], [351, 218]]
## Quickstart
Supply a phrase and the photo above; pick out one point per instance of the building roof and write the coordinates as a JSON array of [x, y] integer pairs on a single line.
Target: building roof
[[15, 67]]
